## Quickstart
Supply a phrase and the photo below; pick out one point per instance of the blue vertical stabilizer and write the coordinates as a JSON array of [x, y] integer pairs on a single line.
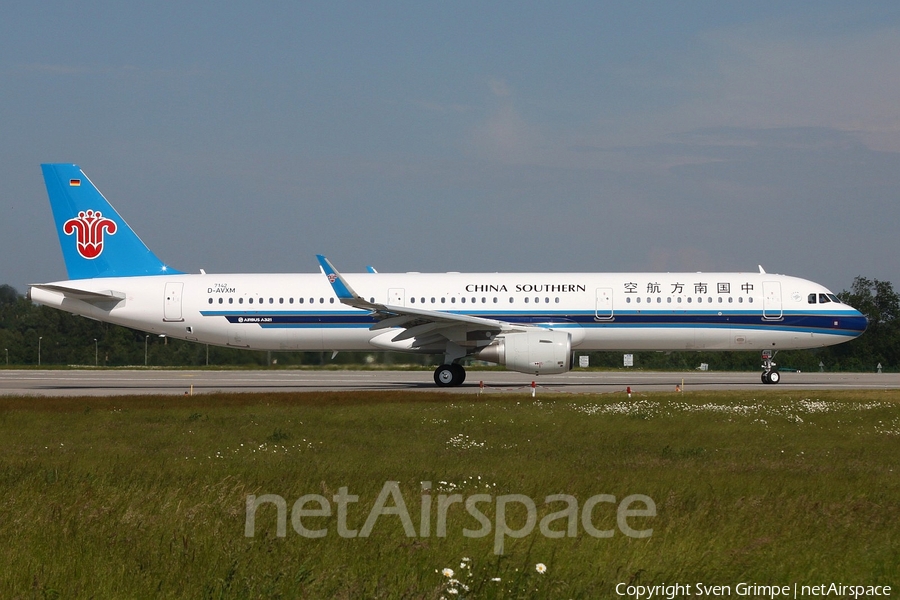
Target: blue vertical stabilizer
[[95, 240]]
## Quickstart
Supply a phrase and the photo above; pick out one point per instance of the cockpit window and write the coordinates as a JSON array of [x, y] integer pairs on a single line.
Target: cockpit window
[[812, 299], [834, 298], [824, 299]]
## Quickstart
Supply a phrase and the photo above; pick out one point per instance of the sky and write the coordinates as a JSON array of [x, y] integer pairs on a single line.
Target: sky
[[462, 136]]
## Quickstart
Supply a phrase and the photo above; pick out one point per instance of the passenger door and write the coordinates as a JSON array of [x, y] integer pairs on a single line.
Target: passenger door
[[772, 309]]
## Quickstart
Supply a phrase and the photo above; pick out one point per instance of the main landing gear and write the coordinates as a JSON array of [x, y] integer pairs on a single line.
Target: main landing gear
[[770, 372], [451, 375]]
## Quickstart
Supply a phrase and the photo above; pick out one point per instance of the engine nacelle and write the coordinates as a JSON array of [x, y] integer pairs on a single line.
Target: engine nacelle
[[540, 352]]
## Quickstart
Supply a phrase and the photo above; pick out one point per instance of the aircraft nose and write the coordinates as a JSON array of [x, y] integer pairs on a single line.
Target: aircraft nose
[[858, 322]]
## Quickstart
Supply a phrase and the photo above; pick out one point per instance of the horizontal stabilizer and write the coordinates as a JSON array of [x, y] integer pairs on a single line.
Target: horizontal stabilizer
[[77, 294]]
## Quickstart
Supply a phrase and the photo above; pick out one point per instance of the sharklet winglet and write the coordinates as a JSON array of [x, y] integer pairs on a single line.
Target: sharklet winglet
[[340, 286]]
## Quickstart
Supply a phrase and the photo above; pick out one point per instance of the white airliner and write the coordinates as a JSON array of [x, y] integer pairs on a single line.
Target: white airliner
[[528, 322]]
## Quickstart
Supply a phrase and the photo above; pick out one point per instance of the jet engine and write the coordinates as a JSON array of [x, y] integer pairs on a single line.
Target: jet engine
[[539, 352]]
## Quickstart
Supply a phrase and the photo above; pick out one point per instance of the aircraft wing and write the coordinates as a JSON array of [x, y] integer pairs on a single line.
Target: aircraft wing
[[421, 325]]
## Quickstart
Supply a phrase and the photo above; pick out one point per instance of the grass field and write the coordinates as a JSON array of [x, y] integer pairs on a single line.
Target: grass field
[[146, 497]]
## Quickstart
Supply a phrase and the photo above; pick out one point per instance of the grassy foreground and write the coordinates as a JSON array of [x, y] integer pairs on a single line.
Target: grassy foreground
[[143, 497]]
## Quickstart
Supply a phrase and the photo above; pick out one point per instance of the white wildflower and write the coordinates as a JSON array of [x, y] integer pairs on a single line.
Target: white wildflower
[[540, 568]]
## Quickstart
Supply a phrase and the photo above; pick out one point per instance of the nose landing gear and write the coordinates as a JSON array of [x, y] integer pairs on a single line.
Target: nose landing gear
[[770, 372]]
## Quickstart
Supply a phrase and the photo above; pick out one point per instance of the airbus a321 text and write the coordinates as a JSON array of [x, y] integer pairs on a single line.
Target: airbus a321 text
[[528, 322]]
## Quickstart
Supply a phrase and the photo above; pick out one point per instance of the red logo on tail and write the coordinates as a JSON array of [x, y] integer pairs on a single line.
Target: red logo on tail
[[88, 227]]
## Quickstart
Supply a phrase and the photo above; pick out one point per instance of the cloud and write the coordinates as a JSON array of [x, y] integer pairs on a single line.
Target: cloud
[[755, 86], [848, 82], [441, 108], [500, 88], [75, 70], [504, 135]]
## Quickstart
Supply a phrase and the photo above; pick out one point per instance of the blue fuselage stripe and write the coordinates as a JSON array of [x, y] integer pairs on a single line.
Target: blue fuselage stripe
[[835, 323]]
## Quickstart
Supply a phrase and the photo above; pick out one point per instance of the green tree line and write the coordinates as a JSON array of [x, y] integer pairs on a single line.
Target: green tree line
[[30, 334]]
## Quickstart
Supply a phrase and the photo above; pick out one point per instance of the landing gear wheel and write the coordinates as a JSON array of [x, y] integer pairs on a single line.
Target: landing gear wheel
[[459, 374], [444, 376], [771, 377], [770, 372], [449, 375]]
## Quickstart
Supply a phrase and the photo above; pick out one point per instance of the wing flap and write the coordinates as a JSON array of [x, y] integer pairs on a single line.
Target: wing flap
[[418, 331]]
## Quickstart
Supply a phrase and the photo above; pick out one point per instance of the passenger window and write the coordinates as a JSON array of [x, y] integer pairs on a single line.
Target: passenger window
[[452, 300], [291, 300], [281, 301], [221, 300], [412, 300], [250, 300], [331, 300], [240, 300], [300, 300], [231, 301], [741, 300], [210, 301], [526, 299], [463, 300]]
